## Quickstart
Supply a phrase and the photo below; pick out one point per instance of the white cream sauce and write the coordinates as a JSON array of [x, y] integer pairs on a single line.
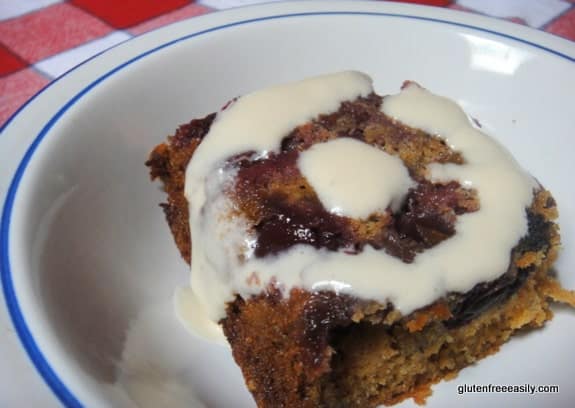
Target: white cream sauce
[[353, 178], [479, 251]]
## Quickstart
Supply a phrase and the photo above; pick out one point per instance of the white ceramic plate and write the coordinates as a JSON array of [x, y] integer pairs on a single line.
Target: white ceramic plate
[[88, 265]]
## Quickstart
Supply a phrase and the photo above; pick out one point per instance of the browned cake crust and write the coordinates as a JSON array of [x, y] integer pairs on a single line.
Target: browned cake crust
[[168, 162], [321, 349]]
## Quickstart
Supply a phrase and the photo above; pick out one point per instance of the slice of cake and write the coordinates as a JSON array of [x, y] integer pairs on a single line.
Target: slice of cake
[[354, 248]]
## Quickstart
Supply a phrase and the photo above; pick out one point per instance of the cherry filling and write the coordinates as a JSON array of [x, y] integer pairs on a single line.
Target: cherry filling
[[286, 212]]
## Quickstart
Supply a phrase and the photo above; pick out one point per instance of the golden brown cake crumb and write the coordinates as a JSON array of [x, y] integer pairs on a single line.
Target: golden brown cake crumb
[[321, 349]]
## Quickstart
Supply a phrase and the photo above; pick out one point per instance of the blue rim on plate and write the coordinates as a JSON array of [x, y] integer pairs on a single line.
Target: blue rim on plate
[[62, 392]]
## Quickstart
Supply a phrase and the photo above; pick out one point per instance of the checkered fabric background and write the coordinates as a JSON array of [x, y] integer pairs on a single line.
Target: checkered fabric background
[[42, 39]]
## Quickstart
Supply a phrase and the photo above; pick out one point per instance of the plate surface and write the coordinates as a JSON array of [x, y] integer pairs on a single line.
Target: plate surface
[[88, 265]]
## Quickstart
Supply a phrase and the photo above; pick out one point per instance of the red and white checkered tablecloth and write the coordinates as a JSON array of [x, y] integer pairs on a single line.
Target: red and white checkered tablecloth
[[41, 39]]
